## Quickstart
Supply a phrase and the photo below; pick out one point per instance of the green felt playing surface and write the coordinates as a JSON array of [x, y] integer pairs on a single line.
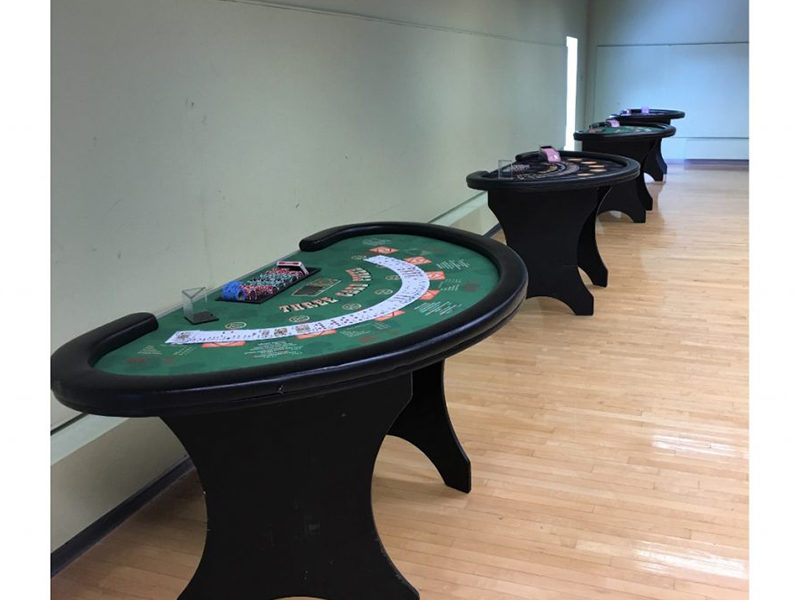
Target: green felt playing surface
[[459, 278], [622, 130]]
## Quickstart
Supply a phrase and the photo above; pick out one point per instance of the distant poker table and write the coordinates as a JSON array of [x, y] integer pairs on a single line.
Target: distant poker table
[[547, 210], [654, 165], [635, 140], [283, 405]]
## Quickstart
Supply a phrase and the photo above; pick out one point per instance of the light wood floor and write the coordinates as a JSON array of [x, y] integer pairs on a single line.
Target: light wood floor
[[609, 453]]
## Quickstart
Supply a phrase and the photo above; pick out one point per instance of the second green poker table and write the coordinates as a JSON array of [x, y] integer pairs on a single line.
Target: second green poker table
[[283, 405], [654, 165]]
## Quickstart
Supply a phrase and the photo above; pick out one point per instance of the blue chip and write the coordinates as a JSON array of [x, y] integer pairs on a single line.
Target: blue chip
[[232, 291]]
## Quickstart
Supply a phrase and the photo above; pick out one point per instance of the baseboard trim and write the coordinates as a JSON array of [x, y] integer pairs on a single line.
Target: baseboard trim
[[706, 163], [80, 543], [493, 231], [715, 161]]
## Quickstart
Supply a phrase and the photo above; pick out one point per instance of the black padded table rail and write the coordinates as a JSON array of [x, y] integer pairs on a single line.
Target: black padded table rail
[[632, 130], [547, 211], [578, 170], [284, 429], [656, 115]]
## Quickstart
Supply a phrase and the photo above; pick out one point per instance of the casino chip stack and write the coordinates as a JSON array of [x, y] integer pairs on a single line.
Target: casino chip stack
[[263, 286]]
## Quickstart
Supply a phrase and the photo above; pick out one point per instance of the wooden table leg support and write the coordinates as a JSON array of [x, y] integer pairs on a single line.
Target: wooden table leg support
[[426, 424], [545, 229], [288, 497], [654, 164], [589, 258]]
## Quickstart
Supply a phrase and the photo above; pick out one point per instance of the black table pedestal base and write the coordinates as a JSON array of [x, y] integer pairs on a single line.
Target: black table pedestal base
[[623, 196], [554, 234], [426, 424], [288, 497], [654, 164], [589, 259]]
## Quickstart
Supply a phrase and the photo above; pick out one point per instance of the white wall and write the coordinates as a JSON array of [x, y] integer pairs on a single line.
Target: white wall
[[195, 140], [683, 54]]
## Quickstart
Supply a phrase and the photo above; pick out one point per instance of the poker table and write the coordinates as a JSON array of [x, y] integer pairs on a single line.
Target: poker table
[[634, 140], [282, 405], [547, 210], [655, 166]]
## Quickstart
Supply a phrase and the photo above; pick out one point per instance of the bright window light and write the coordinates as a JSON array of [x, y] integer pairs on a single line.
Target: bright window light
[[572, 90]]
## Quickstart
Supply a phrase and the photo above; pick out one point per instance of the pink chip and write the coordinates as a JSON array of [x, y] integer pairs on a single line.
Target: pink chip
[[551, 154]]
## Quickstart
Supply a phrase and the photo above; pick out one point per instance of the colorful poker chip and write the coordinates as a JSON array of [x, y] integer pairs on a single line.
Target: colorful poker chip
[[263, 285], [232, 291]]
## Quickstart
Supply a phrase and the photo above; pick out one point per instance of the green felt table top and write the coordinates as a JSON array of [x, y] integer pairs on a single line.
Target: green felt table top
[[622, 130], [346, 284]]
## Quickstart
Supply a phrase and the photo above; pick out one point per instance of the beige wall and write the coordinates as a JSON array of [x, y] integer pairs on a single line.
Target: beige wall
[[195, 140]]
